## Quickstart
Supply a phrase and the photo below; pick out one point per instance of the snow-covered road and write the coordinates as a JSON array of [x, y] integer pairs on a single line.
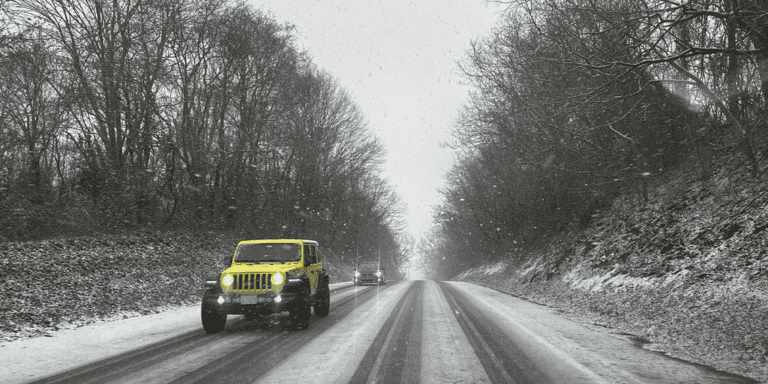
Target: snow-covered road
[[412, 331]]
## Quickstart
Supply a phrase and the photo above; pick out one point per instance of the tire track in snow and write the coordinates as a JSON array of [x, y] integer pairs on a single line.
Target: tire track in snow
[[503, 361], [395, 354]]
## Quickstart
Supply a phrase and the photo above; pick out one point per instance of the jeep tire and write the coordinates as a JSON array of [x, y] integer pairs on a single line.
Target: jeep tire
[[299, 314], [213, 321], [323, 303]]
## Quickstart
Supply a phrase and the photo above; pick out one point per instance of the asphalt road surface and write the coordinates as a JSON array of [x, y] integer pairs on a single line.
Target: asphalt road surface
[[405, 332]]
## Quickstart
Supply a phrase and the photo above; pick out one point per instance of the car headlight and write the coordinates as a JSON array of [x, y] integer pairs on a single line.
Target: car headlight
[[357, 274], [277, 278], [378, 273], [228, 280]]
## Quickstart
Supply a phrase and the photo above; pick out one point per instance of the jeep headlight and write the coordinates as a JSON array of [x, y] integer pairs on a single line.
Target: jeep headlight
[[378, 273], [277, 278], [227, 280], [357, 274]]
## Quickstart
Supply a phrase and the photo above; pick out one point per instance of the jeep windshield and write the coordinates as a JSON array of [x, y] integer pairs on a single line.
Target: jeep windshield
[[268, 252]]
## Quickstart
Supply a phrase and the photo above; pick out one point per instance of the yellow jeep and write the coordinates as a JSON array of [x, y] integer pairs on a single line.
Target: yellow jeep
[[266, 277]]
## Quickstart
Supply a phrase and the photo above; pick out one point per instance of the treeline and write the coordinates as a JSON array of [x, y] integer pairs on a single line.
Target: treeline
[[576, 101], [200, 114]]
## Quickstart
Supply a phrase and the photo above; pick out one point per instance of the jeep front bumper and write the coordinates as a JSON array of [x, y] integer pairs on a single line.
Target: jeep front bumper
[[242, 303]]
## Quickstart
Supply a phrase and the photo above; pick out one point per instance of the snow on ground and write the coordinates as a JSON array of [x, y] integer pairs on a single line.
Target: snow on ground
[[26, 360], [31, 359]]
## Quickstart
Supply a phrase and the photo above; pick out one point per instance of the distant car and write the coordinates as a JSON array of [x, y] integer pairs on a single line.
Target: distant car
[[266, 277], [370, 273]]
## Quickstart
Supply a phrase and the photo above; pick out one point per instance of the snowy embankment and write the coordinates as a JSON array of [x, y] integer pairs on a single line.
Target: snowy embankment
[[687, 271], [60, 283], [721, 325]]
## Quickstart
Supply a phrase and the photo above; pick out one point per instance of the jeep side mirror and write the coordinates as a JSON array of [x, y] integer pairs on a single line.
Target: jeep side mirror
[[306, 262], [228, 260]]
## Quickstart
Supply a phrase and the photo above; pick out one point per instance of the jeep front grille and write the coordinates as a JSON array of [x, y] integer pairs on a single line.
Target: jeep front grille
[[252, 281]]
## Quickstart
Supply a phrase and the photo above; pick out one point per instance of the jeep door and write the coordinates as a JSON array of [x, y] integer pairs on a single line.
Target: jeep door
[[312, 266]]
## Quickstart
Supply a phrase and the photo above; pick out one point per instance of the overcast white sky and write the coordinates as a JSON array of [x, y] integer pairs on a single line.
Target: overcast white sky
[[397, 59]]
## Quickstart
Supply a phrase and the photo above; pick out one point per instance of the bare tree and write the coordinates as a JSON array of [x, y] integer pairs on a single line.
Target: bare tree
[[115, 52], [196, 113], [31, 107]]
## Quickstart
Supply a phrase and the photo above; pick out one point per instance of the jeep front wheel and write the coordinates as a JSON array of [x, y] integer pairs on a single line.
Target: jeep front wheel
[[213, 321], [299, 314], [323, 305]]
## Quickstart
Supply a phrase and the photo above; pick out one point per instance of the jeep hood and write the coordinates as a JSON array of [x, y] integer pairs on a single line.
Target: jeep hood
[[263, 267]]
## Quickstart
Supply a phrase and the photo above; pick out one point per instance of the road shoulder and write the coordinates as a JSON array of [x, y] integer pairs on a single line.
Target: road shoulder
[[35, 358]]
